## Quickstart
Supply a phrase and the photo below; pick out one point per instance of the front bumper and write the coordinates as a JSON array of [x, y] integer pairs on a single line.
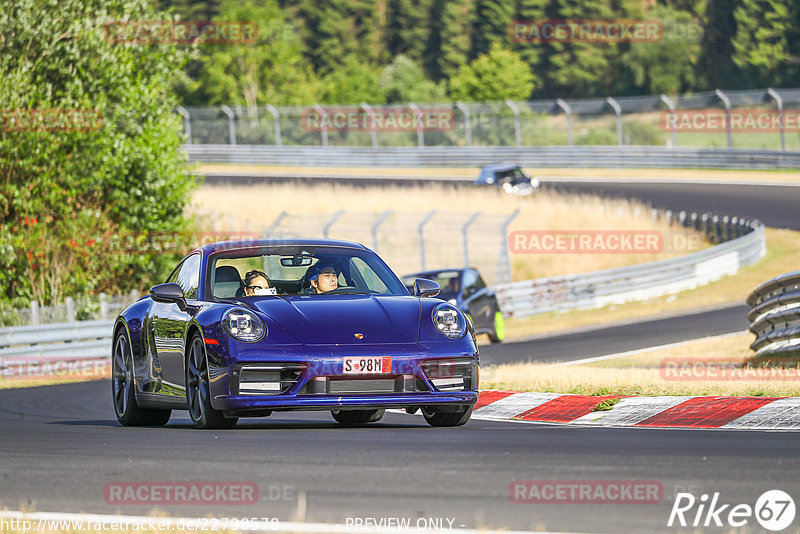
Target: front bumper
[[313, 379], [242, 404]]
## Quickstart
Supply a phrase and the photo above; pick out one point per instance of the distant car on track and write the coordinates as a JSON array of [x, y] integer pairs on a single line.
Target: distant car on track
[[510, 177], [197, 342], [466, 289]]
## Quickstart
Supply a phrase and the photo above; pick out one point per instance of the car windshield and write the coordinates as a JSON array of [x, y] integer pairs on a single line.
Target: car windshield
[[449, 282], [513, 176], [300, 270]]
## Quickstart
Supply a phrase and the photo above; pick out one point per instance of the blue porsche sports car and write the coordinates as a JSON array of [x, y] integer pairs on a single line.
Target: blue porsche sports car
[[245, 328]]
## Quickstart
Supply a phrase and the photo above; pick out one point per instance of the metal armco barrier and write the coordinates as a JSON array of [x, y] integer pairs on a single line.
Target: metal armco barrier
[[744, 244], [775, 317], [476, 156], [28, 347]]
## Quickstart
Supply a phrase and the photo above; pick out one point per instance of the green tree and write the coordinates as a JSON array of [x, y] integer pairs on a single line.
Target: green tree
[[270, 71], [715, 66], [580, 68], [495, 76], [409, 27], [352, 83], [68, 188], [666, 66], [492, 25], [455, 31], [404, 81], [334, 30], [761, 44]]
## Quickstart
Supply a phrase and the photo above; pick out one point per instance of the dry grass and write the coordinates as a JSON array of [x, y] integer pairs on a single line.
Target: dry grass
[[472, 172], [253, 208], [649, 373]]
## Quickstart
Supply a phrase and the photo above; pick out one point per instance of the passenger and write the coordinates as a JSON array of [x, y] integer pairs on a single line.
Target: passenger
[[256, 283]]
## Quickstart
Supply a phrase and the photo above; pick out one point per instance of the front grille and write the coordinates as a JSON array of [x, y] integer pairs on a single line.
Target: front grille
[[327, 385], [378, 385], [265, 379]]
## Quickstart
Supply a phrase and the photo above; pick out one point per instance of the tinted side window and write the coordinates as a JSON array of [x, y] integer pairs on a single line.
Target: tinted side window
[[472, 281], [188, 276]]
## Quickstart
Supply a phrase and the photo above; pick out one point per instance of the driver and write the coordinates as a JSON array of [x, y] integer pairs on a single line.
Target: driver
[[324, 277]]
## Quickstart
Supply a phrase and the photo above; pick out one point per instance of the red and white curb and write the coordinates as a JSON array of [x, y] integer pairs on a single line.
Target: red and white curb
[[758, 413]]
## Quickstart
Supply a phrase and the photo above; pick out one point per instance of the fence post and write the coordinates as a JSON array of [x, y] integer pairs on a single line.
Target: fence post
[[673, 127], [276, 123], [327, 227], [36, 318], [69, 302], [517, 127], [374, 228], [727, 102], [779, 102], [372, 133], [187, 124], [464, 230], [467, 126], [418, 113], [134, 295], [618, 112], [103, 306], [323, 116], [503, 261], [231, 123], [421, 236], [568, 113], [269, 229]]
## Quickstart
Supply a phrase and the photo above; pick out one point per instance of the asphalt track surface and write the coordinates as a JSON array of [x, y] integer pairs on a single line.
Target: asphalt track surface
[[775, 206], [62, 445], [602, 340]]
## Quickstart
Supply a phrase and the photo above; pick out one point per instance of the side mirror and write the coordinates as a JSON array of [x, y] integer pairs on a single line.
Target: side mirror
[[425, 288], [168, 293]]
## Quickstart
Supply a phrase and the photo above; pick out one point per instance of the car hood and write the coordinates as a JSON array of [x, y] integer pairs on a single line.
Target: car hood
[[337, 319]]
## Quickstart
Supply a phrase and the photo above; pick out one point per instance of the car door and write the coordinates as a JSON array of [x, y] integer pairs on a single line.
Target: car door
[[169, 327], [477, 299]]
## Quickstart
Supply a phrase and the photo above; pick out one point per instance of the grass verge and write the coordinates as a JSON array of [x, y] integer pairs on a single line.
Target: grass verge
[[709, 366]]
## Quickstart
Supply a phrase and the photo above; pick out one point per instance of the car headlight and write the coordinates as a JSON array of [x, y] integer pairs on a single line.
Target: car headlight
[[243, 325], [449, 321]]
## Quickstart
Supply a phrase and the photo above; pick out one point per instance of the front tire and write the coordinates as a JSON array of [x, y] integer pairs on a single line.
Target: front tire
[[357, 417], [198, 394], [458, 418], [498, 332], [123, 388]]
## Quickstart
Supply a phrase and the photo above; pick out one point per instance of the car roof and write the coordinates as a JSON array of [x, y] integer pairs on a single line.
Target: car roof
[[261, 242], [499, 167]]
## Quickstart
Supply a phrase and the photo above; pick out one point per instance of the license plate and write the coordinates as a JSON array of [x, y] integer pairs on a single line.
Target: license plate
[[367, 365]]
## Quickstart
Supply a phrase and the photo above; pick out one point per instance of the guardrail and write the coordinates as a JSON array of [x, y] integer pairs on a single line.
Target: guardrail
[[31, 351], [743, 243], [477, 156], [775, 316]]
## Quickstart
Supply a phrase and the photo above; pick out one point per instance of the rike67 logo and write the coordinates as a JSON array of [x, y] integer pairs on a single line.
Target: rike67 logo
[[774, 510]]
